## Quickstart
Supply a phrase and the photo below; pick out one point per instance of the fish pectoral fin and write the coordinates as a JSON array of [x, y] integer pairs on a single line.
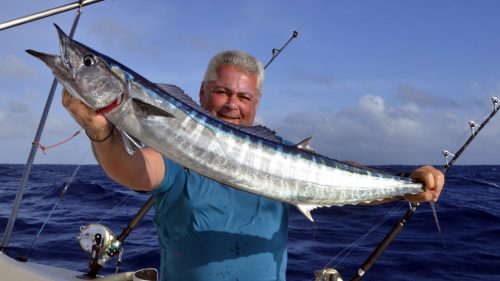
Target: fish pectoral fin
[[306, 210], [130, 143], [146, 109]]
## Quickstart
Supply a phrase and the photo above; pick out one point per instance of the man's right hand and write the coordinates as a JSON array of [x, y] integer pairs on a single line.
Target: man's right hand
[[95, 124], [144, 170]]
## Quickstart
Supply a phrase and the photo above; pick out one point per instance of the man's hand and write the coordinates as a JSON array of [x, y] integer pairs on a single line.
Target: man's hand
[[95, 124], [433, 181]]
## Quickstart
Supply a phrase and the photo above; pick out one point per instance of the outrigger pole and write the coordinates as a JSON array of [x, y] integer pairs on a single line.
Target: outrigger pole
[[40, 15], [413, 206], [41, 125]]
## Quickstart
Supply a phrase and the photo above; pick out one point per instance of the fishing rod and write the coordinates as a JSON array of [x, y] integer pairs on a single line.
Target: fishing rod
[[276, 52], [475, 129]]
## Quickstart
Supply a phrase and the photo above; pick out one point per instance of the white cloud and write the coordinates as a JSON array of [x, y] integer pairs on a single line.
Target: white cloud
[[373, 132]]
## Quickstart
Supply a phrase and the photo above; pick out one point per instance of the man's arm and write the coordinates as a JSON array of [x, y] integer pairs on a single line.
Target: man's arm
[[144, 170]]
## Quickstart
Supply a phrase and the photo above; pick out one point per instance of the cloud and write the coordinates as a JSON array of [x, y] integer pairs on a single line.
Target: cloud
[[373, 132], [14, 67], [408, 93]]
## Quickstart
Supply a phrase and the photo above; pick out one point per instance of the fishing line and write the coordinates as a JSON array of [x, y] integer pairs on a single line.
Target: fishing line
[[474, 133], [276, 52], [347, 250], [315, 16], [462, 140], [112, 209], [413, 206], [61, 197]]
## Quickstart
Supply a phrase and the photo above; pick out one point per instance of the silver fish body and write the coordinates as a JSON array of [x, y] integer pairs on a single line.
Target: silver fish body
[[252, 159]]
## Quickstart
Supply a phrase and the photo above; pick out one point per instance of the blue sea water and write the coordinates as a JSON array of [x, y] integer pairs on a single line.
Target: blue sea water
[[343, 237]]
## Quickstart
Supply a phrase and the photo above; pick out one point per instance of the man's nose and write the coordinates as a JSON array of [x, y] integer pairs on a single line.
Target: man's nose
[[230, 105], [231, 102]]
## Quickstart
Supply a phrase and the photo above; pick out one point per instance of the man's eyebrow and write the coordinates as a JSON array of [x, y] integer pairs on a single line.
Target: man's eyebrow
[[246, 93], [216, 87]]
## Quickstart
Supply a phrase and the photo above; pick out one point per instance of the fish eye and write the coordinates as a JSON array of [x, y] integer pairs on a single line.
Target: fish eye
[[88, 60]]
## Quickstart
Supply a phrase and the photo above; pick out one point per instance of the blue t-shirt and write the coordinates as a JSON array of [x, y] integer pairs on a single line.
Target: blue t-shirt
[[209, 231]]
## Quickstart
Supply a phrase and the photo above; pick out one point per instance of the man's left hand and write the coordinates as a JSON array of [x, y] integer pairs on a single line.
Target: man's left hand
[[433, 182]]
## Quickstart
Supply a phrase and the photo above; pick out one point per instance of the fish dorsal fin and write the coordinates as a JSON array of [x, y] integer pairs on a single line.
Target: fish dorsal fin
[[146, 109], [179, 94], [261, 131], [305, 144], [258, 130]]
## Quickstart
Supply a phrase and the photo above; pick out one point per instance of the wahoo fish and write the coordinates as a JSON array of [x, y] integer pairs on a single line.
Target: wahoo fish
[[249, 158]]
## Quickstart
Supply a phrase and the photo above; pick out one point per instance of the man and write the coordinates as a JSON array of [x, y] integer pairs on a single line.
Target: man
[[208, 231]]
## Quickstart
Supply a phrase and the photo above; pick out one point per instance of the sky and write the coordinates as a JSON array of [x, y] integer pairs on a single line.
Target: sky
[[375, 82]]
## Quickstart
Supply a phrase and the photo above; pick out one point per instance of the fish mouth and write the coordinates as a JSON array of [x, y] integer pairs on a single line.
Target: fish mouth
[[112, 105], [48, 59], [55, 61]]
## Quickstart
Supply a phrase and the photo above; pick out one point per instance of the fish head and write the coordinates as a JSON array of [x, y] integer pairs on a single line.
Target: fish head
[[85, 73]]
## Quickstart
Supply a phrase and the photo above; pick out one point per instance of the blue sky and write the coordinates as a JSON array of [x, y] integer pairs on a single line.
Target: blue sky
[[376, 82]]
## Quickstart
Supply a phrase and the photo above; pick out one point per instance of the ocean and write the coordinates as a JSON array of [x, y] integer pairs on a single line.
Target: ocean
[[341, 237]]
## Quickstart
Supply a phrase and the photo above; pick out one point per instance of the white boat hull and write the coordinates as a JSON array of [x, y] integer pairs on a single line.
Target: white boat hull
[[12, 269]]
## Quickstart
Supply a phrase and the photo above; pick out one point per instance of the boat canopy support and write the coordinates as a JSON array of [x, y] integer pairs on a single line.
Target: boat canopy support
[[47, 13], [41, 124]]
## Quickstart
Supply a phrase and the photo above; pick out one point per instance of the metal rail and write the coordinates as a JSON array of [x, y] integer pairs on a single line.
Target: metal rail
[[47, 13], [41, 125]]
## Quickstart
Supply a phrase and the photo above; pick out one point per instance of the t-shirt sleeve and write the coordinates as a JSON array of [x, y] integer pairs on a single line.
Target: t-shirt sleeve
[[172, 169]]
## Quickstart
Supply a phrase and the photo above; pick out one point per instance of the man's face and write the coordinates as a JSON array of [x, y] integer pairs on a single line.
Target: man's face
[[233, 97]]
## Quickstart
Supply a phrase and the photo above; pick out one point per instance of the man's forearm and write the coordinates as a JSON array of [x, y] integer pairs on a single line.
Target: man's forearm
[[119, 165]]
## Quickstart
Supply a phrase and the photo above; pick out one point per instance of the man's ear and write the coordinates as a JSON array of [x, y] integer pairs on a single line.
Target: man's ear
[[202, 94], [257, 103]]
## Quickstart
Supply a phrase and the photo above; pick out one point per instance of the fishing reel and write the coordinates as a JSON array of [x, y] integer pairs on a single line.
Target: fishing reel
[[100, 242], [327, 274], [102, 245], [94, 236]]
